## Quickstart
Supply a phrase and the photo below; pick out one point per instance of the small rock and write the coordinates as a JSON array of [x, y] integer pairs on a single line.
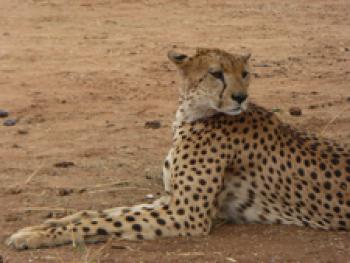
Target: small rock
[[152, 124], [4, 114], [10, 122], [347, 49], [22, 131], [313, 92], [116, 247], [295, 111], [312, 107], [348, 99], [11, 218], [14, 190], [64, 191], [64, 164], [82, 190]]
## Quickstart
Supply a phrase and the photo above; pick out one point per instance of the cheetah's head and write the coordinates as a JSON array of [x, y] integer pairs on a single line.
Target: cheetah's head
[[214, 81]]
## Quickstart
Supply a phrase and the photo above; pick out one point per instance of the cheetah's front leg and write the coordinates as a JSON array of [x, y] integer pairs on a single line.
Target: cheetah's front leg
[[187, 214], [85, 226], [133, 223]]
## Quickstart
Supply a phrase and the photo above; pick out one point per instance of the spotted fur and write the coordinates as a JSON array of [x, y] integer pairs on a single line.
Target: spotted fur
[[229, 159]]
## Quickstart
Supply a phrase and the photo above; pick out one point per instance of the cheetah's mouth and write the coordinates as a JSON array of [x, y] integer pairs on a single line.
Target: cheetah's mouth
[[233, 112]]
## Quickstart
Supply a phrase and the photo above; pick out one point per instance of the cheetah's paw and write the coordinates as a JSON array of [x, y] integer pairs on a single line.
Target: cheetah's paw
[[34, 237]]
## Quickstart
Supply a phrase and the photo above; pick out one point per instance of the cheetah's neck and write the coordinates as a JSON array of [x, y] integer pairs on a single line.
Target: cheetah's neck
[[189, 111]]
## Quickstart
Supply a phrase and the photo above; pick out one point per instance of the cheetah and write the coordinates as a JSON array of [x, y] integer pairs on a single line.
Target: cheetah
[[230, 159]]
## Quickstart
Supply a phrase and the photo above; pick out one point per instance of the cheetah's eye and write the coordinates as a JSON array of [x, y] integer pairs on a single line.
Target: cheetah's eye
[[245, 74], [219, 74]]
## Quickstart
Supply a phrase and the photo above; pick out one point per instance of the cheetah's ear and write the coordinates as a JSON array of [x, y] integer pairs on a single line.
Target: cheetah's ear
[[246, 57], [177, 58]]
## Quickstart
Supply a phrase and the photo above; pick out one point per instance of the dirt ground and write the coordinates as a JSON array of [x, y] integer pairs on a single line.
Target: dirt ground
[[82, 77]]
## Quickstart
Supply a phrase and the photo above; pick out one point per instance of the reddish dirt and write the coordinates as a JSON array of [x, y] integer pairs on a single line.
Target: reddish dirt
[[82, 77]]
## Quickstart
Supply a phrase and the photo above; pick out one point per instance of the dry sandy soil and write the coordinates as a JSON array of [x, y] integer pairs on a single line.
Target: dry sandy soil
[[82, 77]]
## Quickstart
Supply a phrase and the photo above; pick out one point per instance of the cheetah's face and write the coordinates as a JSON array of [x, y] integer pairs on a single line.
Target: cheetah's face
[[214, 79]]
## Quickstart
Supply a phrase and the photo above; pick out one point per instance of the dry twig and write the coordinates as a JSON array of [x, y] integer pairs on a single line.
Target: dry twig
[[333, 119]]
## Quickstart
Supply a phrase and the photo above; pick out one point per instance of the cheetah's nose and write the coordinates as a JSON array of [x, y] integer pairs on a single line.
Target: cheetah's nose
[[240, 97]]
